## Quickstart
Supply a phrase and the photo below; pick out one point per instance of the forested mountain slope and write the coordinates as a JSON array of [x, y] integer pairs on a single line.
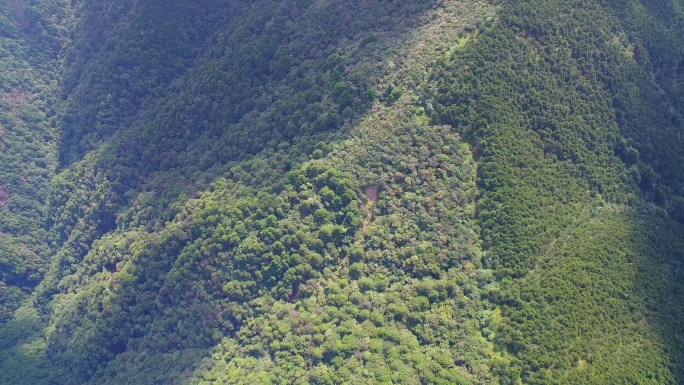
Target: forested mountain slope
[[342, 192], [30, 41], [575, 113]]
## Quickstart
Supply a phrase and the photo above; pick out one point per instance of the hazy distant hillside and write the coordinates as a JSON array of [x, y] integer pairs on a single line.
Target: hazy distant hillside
[[355, 192]]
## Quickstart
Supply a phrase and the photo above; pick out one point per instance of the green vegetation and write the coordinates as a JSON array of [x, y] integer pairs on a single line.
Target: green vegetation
[[339, 192], [30, 40], [579, 164]]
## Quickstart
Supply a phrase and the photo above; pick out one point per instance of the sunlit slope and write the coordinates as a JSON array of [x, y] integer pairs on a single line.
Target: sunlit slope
[[218, 225]]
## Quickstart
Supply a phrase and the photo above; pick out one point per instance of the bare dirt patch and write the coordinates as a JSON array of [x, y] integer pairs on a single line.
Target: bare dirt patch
[[16, 98], [4, 198], [371, 193], [18, 8]]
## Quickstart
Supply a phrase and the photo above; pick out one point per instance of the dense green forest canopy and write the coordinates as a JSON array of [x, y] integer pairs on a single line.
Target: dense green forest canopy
[[30, 41], [341, 192]]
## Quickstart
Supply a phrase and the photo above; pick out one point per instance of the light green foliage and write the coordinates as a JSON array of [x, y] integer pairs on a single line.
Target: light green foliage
[[208, 206]]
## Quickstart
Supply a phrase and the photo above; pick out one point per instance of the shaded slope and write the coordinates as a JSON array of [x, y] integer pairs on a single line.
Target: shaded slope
[[563, 102], [30, 38]]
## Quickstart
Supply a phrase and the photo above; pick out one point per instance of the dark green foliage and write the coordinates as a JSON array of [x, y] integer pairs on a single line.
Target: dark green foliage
[[30, 40], [338, 192], [562, 103]]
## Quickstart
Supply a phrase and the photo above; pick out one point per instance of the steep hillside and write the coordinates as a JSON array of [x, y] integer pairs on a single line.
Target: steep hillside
[[30, 40], [574, 112], [211, 223], [320, 192]]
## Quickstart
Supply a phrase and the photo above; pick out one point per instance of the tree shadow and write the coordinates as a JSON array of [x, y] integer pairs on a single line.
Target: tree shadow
[[659, 282], [22, 348]]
